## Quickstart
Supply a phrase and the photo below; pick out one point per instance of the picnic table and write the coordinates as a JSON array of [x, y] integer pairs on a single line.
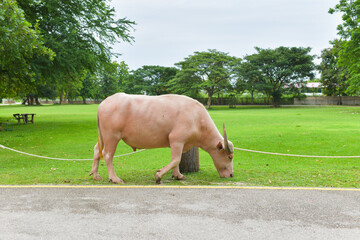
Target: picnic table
[[26, 117]]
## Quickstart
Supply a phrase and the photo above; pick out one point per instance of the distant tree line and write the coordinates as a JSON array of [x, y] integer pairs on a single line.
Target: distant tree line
[[212, 73], [62, 49]]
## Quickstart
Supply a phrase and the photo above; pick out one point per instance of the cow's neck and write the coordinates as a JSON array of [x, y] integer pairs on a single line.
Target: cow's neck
[[210, 140]]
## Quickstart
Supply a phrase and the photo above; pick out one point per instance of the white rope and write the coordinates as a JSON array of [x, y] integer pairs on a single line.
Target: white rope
[[63, 159], [294, 155], [126, 154]]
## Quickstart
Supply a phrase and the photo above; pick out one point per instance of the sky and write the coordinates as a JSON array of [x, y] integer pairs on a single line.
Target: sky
[[166, 32]]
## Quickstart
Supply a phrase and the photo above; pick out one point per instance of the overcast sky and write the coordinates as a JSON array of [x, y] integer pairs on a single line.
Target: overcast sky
[[168, 31]]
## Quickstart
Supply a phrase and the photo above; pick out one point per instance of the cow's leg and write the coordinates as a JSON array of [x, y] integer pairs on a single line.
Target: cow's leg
[[176, 151], [95, 166], [108, 153], [177, 175]]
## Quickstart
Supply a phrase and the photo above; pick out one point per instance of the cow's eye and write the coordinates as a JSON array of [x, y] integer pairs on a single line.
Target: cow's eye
[[230, 157]]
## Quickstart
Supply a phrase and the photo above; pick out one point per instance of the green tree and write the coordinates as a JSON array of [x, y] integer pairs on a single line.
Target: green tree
[[281, 67], [107, 81], [334, 77], [211, 71], [88, 87], [111, 79], [81, 33], [349, 31], [152, 80], [250, 78], [19, 42]]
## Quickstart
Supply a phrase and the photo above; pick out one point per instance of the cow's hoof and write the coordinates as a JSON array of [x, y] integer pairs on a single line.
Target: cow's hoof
[[157, 178], [97, 177], [116, 180], [180, 177]]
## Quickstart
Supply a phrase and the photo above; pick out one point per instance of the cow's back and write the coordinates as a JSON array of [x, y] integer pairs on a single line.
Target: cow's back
[[151, 121]]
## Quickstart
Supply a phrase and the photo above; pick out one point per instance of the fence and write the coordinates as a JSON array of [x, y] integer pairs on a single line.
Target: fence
[[215, 101], [76, 101], [231, 101], [244, 101], [329, 100]]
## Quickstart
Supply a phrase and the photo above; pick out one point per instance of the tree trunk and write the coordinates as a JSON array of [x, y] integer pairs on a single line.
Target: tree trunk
[[65, 98], [190, 161], [61, 96], [25, 101], [276, 98], [37, 101], [31, 100], [209, 102], [339, 101]]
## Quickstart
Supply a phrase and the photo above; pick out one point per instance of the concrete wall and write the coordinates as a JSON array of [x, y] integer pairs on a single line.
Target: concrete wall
[[351, 101]]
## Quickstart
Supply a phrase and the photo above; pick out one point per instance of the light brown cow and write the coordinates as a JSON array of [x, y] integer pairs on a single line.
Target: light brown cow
[[145, 122]]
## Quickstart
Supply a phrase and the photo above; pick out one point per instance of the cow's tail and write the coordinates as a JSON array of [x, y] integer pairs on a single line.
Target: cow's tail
[[100, 140]]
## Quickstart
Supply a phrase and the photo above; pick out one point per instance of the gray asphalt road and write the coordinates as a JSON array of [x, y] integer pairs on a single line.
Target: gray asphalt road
[[100, 213]]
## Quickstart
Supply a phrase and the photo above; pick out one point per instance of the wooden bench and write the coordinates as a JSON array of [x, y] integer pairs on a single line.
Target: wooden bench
[[18, 117], [27, 119], [24, 117]]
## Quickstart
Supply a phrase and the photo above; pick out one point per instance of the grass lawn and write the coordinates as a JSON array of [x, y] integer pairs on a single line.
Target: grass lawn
[[70, 132]]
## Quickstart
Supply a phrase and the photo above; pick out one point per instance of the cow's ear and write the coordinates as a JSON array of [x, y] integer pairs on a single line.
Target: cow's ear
[[219, 146]]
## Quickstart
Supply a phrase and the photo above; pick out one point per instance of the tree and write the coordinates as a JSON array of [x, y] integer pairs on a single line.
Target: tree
[[112, 77], [349, 31], [80, 32], [152, 80], [107, 81], [249, 78], [210, 71], [88, 87], [281, 67], [334, 77], [19, 42]]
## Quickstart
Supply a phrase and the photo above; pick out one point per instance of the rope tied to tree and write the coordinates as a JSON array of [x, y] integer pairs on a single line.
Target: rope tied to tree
[[293, 155], [126, 154]]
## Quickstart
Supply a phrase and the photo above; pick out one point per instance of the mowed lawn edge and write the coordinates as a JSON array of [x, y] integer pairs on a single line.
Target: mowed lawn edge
[[70, 132]]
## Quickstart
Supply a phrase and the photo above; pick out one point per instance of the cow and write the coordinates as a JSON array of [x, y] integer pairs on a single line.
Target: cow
[[145, 122]]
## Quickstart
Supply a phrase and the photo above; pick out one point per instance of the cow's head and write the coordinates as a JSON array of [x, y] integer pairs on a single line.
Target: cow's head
[[223, 156]]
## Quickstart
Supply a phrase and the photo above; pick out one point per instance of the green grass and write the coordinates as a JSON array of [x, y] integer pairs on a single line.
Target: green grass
[[70, 132]]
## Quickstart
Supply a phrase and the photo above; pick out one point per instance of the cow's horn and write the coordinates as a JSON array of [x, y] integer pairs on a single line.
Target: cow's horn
[[228, 148]]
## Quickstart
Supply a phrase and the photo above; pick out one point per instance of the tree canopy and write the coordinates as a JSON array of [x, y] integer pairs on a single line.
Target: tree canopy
[[79, 32], [20, 41], [150, 80], [273, 69], [209, 71], [334, 77], [349, 30], [249, 78], [109, 80]]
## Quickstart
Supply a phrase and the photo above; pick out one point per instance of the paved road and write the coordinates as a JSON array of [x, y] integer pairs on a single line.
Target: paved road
[[162, 213]]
